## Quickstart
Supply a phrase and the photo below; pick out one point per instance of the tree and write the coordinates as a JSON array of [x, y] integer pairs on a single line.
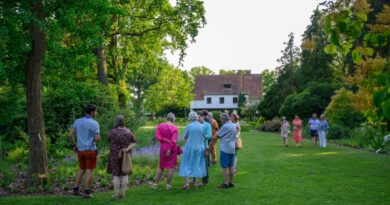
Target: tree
[[227, 72], [172, 90], [35, 123], [316, 65], [285, 84], [200, 70], [356, 30], [313, 99], [269, 78], [34, 25]]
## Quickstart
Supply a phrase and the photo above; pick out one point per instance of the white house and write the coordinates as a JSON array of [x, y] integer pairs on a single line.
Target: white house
[[222, 92]]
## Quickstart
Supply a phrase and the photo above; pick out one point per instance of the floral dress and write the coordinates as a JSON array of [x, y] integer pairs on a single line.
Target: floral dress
[[119, 138]]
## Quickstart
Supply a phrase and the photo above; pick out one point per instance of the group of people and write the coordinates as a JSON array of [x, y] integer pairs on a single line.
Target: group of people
[[318, 129], [201, 137], [199, 153]]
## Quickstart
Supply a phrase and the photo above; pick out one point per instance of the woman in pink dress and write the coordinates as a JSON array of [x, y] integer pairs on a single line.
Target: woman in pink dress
[[297, 123], [166, 134]]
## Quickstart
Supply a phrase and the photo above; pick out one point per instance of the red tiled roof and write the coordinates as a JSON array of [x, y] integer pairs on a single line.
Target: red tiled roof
[[250, 84]]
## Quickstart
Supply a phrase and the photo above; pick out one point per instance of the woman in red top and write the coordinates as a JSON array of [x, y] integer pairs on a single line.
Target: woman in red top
[[297, 123]]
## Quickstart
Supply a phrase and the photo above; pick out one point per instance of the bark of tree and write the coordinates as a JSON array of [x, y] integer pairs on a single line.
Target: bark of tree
[[38, 169], [102, 66]]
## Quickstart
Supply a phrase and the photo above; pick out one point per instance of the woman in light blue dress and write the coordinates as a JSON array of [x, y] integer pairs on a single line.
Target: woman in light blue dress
[[193, 162]]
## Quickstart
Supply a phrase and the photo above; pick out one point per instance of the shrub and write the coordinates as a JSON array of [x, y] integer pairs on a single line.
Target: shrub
[[338, 132], [271, 125], [145, 136], [313, 99], [244, 128], [340, 110], [19, 154]]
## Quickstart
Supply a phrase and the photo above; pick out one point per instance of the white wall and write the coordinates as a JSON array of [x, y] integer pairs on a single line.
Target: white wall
[[202, 104]]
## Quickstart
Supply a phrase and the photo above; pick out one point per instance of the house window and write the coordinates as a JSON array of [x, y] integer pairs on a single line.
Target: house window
[[235, 100], [221, 100], [208, 100], [227, 86]]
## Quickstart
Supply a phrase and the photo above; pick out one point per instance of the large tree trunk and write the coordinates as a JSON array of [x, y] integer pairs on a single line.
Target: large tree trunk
[[102, 66], [38, 169]]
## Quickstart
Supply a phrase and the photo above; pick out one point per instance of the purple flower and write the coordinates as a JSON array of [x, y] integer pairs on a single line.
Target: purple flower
[[150, 151]]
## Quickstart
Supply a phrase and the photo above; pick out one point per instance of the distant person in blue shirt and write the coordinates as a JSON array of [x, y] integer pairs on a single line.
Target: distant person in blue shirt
[[323, 130], [313, 126], [88, 132]]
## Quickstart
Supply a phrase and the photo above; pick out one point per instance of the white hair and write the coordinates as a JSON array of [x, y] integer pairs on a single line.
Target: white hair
[[224, 116], [171, 117], [193, 116]]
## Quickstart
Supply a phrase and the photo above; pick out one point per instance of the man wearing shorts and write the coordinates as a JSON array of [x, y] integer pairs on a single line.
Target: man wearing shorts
[[313, 125], [88, 132], [227, 134]]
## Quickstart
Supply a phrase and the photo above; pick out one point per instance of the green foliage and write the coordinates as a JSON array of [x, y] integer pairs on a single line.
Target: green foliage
[[337, 131], [377, 143], [199, 70], [177, 91], [146, 136], [285, 84], [269, 78], [216, 115], [381, 97], [313, 99], [228, 72], [340, 110], [245, 128], [73, 97], [19, 154], [360, 34], [271, 125]]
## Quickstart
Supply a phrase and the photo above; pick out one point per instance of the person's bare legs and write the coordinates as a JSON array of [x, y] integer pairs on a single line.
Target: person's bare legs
[[158, 176], [79, 177], [314, 141], [196, 182], [226, 175], [187, 183], [232, 171], [88, 180], [116, 187], [124, 182], [171, 172]]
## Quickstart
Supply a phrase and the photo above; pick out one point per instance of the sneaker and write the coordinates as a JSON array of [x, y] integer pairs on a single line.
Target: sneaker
[[168, 187], [154, 186], [231, 185], [76, 192], [224, 186], [87, 194]]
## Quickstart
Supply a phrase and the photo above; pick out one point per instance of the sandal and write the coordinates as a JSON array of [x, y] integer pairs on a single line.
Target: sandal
[[186, 187], [196, 186]]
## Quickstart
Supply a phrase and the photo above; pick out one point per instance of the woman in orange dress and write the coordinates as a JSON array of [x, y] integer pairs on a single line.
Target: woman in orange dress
[[297, 123]]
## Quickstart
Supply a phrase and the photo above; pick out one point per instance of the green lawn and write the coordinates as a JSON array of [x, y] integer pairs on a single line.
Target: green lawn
[[269, 174]]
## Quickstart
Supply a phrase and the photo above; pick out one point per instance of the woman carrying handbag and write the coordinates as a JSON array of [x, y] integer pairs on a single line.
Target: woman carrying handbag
[[122, 141]]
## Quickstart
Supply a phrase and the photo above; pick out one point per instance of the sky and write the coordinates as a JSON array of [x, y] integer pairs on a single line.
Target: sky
[[246, 34]]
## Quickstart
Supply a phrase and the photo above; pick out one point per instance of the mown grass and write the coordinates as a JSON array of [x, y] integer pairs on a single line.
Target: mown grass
[[268, 174]]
